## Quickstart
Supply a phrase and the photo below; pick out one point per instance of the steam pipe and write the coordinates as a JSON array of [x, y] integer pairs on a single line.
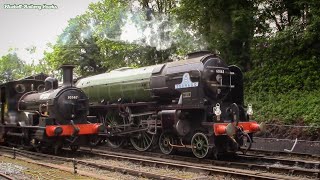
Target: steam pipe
[[67, 71]]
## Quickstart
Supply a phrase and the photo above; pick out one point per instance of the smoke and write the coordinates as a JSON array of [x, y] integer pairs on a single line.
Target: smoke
[[155, 32], [144, 27], [141, 26]]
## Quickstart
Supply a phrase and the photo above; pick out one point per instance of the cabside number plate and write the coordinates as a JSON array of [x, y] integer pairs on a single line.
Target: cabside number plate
[[221, 71], [72, 97]]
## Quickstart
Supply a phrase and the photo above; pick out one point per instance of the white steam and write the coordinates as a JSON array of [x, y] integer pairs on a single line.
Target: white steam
[[146, 28], [137, 25], [155, 32]]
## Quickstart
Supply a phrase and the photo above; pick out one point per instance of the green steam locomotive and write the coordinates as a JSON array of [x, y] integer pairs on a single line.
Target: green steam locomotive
[[195, 103]]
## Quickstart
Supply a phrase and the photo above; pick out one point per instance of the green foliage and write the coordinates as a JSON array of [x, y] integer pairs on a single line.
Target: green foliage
[[77, 46], [284, 81], [289, 108], [227, 25], [13, 68], [288, 61]]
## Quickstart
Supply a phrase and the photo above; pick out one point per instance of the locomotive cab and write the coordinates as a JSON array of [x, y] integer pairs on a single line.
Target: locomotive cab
[[13, 90]]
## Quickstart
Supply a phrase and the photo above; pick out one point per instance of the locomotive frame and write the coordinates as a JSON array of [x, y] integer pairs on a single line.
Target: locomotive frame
[[195, 103]]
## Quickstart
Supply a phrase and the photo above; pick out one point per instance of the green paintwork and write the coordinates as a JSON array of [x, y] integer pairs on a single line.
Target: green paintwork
[[126, 83]]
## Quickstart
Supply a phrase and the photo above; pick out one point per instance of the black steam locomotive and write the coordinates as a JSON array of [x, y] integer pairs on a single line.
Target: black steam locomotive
[[195, 103], [37, 114]]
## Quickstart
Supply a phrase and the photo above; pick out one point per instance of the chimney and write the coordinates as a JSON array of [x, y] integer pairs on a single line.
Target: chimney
[[67, 71]]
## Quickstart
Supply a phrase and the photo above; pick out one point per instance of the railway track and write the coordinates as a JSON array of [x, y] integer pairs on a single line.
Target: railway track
[[210, 167], [5, 177], [43, 157], [185, 166], [282, 161], [283, 153], [288, 167]]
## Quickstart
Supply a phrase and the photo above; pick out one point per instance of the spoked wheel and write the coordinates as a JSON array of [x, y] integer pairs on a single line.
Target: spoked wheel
[[115, 142], [142, 141], [115, 123], [166, 138], [200, 145]]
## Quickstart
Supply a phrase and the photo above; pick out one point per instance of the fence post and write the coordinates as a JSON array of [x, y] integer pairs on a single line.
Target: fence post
[[14, 153], [74, 166]]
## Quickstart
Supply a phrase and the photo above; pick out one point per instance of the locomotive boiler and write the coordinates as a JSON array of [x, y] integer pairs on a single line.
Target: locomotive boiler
[[40, 114], [195, 103]]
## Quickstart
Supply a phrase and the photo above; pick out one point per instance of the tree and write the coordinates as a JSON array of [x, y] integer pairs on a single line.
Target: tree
[[227, 25], [287, 57], [274, 16], [77, 45], [160, 6], [11, 67], [91, 42]]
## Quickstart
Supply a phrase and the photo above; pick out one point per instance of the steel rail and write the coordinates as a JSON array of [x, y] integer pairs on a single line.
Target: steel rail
[[210, 169], [122, 170], [283, 153], [209, 163], [283, 161], [58, 167], [6, 176], [186, 163], [281, 139]]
